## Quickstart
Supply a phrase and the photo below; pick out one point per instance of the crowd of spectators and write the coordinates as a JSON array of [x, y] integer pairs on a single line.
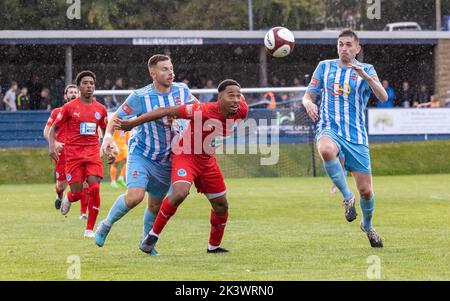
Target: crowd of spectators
[[406, 97], [33, 95]]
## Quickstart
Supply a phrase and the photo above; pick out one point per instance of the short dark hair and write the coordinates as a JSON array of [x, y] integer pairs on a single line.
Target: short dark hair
[[155, 59], [83, 74], [68, 87], [347, 32], [228, 82]]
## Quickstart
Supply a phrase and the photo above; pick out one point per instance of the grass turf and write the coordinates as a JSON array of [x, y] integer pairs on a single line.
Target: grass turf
[[279, 229]]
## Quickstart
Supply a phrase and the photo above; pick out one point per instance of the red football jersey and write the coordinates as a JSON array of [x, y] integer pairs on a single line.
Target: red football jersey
[[60, 134], [81, 122], [206, 123]]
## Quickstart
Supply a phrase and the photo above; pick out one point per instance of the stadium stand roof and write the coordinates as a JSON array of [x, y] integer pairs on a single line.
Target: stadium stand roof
[[203, 37]]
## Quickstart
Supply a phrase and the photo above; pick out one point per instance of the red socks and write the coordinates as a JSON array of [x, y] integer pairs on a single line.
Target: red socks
[[218, 223], [165, 213], [84, 201], [74, 196], [93, 205], [60, 193]]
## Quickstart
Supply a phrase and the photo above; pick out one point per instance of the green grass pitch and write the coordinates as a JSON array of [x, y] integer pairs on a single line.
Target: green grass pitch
[[279, 229]]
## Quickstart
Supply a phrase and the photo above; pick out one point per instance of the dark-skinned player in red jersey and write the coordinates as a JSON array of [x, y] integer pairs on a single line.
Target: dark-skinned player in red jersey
[[81, 117], [193, 160]]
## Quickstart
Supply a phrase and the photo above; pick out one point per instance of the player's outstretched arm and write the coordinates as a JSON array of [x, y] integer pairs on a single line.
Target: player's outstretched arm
[[127, 125], [373, 82]]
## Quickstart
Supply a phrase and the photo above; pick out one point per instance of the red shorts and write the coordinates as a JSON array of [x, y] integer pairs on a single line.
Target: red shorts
[[202, 170], [81, 162], [60, 167]]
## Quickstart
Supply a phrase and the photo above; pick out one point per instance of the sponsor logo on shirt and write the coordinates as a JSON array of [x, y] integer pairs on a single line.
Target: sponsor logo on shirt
[[126, 108], [337, 89]]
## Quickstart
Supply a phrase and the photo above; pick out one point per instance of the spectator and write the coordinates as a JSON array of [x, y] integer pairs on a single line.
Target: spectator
[[208, 96], [275, 81], [118, 85], [105, 100], [186, 81], [406, 96], [45, 100], [391, 96], [34, 89], [23, 100], [433, 103], [422, 96], [57, 91], [10, 98]]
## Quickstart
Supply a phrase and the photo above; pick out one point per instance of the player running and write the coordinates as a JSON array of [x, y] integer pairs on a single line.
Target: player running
[[345, 85], [70, 93], [193, 161], [149, 162], [81, 118], [120, 140]]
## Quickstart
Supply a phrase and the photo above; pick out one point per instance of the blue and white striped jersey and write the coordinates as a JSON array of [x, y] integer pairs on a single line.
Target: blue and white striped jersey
[[153, 139], [344, 98]]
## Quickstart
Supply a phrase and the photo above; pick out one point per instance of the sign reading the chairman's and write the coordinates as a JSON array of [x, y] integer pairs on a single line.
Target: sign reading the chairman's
[[409, 121], [167, 41]]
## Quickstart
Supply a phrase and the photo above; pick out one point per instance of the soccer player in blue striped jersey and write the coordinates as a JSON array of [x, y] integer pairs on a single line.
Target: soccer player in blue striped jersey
[[345, 86], [149, 147]]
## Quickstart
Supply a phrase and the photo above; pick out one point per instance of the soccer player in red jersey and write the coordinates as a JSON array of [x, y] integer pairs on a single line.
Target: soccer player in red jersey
[[70, 93], [81, 118], [193, 161]]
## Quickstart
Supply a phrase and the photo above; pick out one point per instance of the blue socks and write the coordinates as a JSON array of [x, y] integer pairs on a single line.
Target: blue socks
[[337, 175], [367, 207], [118, 210], [149, 219]]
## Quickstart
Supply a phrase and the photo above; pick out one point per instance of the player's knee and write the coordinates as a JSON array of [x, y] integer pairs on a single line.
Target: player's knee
[[153, 207], [133, 198], [327, 151], [365, 192], [61, 186], [178, 196], [221, 208]]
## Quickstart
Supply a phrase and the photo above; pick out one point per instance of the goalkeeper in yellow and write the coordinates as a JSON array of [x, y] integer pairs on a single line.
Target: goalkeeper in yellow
[[120, 139]]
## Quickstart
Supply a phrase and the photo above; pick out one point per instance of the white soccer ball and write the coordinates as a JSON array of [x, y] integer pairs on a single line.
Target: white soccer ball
[[279, 41]]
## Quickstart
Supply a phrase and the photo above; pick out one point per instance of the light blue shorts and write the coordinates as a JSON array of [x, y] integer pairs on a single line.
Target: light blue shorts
[[356, 156], [153, 176]]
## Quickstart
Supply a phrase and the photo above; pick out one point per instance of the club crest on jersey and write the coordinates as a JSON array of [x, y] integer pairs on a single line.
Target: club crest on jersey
[[135, 174], [177, 101], [354, 76], [97, 115], [181, 172], [68, 177]]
